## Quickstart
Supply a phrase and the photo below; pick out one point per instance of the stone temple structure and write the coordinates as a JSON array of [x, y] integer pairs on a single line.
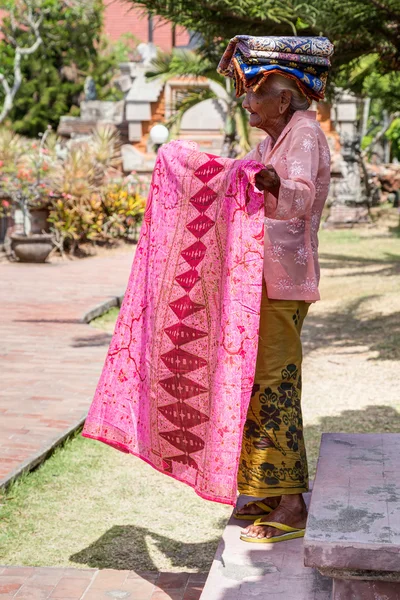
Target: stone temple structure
[[147, 103]]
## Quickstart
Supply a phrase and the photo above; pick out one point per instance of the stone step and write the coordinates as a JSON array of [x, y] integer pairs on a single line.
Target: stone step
[[353, 528], [242, 570]]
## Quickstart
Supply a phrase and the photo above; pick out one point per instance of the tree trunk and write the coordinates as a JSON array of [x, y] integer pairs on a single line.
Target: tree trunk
[[229, 143]]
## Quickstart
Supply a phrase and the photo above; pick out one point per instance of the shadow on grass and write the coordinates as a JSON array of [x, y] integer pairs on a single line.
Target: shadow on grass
[[395, 231], [127, 547], [389, 265], [346, 328], [371, 419]]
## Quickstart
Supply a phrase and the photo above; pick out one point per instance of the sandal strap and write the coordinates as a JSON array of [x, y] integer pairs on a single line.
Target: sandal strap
[[280, 526], [262, 505]]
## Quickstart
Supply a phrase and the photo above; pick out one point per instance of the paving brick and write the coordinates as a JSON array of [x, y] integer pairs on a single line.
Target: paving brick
[[34, 591], [172, 580], [138, 587], [69, 587], [197, 578], [167, 595], [9, 587], [87, 574], [103, 595], [18, 571], [193, 592], [147, 575], [108, 578], [46, 579]]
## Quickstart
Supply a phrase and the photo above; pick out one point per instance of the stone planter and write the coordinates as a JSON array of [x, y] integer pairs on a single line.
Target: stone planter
[[4, 225], [39, 223], [32, 248]]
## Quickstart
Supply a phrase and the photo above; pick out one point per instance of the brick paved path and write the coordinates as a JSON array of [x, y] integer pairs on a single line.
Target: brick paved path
[[40, 583], [49, 360]]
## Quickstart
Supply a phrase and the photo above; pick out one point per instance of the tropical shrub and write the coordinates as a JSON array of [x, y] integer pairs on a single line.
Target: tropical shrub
[[393, 135], [105, 214], [88, 198]]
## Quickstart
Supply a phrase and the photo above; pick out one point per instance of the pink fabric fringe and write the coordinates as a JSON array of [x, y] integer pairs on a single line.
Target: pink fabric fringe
[[179, 372]]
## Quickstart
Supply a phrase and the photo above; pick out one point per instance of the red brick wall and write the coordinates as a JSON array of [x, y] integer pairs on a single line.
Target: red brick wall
[[121, 17]]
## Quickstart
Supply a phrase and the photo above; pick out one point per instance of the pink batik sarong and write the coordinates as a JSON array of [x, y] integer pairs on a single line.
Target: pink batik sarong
[[179, 371]]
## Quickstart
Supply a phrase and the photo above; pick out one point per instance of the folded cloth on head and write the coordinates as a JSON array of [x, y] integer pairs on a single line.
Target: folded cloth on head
[[250, 60], [260, 55], [311, 85]]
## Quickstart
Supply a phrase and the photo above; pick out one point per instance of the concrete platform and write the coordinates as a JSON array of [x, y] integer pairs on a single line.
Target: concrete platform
[[244, 571], [353, 528], [354, 520]]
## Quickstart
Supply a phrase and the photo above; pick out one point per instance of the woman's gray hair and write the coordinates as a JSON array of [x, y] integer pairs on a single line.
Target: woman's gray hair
[[275, 84]]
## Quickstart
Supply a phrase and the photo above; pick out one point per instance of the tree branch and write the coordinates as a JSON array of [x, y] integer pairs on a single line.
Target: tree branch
[[390, 13], [11, 91]]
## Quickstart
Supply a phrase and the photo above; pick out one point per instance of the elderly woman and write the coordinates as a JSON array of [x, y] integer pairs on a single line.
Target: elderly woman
[[198, 318], [273, 463]]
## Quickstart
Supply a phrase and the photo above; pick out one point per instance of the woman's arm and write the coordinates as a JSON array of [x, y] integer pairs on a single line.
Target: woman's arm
[[294, 196]]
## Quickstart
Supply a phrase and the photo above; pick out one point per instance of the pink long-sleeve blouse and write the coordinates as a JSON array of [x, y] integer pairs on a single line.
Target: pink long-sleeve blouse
[[301, 158]]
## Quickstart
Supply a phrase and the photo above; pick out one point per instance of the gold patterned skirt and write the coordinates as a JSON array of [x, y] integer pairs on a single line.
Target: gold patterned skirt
[[273, 459]]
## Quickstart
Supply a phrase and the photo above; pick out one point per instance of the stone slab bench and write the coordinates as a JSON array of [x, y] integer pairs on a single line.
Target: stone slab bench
[[244, 571], [353, 528]]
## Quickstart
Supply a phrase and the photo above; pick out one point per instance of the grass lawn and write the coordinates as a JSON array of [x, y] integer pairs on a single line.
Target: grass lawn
[[91, 506]]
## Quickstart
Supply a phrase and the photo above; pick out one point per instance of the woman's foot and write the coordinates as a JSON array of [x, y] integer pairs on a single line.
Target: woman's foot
[[251, 508], [291, 511]]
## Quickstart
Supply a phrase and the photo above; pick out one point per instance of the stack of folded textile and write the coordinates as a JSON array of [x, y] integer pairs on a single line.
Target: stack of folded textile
[[250, 60]]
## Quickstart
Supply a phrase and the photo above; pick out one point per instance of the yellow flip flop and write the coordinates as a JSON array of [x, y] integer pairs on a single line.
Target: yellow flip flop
[[291, 533], [267, 509]]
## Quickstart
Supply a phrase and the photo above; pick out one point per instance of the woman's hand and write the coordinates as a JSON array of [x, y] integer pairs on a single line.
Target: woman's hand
[[268, 180]]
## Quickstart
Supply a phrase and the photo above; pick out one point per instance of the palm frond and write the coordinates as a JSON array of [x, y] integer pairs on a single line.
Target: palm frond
[[190, 99], [160, 67], [183, 63], [363, 67], [106, 145]]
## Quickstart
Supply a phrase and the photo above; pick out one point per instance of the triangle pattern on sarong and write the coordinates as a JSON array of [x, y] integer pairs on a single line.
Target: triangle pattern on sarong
[[184, 307], [203, 199], [194, 254], [180, 334], [181, 387], [178, 361], [183, 415], [208, 171], [199, 226], [188, 279], [186, 441]]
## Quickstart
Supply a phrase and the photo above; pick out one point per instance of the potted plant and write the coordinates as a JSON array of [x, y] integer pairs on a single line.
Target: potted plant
[[79, 194], [25, 179]]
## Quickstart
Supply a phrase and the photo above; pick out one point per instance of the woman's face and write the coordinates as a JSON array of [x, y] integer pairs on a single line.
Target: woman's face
[[266, 110]]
